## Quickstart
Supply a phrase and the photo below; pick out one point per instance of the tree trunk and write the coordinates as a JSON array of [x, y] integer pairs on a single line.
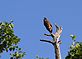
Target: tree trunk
[[56, 48], [57, 51]]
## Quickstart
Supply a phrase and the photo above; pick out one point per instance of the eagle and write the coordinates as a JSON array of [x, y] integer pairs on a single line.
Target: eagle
[[47, 24]]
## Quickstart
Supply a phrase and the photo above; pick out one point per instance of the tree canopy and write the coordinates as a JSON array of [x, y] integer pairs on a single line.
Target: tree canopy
[[9, 41], [75, 49]]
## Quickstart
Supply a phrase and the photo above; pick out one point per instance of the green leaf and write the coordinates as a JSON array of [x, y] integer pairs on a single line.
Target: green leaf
[[13, 48], [6, 49], [11, 26], [77, 45], [73, 37], [19, 48], [3, 23]]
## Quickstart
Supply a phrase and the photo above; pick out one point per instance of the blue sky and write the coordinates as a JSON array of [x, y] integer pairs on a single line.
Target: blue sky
[[28, 15]]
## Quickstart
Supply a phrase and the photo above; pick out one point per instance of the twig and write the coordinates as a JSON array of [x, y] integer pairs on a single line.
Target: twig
[[52, 42], [47, 34]]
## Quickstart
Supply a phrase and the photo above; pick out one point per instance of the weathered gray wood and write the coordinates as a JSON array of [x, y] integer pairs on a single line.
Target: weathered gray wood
[[55, 42]]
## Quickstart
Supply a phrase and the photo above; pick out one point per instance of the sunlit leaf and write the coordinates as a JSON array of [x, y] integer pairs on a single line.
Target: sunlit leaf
[[73, 37]]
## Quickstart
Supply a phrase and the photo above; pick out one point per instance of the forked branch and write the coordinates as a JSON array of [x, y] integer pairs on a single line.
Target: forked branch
[[56, 36]]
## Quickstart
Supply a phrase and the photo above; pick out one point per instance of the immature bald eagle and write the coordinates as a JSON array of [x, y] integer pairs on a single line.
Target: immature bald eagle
[[47, 25]]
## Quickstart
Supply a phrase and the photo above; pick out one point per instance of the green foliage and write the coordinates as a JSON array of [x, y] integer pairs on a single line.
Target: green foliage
[[8, 40], [17, 54], [73, 37], [75, 51], [7, 37]]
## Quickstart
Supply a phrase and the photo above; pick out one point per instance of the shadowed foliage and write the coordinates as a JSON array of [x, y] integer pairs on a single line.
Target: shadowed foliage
[[75, 52], [8, 40], [75, 49]]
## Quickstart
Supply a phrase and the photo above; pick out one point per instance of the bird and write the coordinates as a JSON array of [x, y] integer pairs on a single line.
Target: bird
[[47, 24]]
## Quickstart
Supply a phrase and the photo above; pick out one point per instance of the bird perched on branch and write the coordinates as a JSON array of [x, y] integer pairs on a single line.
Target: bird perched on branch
[[47, 24]]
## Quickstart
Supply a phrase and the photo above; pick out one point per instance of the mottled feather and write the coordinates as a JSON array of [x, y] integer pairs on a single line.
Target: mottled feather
[[48, 25]]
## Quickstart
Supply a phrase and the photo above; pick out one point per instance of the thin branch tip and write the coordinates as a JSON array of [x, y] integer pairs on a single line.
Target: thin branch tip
[[47, 34], [52, 42]]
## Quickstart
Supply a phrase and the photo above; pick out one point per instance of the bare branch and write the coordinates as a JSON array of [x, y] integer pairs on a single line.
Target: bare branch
[[55, 42], [52, 42], [47, 34]]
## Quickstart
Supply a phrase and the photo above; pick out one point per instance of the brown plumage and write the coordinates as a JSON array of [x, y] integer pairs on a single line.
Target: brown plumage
[[47, 25]]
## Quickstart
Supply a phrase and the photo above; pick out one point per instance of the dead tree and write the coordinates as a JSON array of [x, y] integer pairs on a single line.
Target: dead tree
[[55, 42]]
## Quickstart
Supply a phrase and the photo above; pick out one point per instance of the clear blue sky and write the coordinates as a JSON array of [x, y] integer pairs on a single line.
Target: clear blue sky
[[28, 15]]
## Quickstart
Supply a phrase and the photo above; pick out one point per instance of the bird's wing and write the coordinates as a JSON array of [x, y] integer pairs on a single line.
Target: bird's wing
[[47, 24]]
